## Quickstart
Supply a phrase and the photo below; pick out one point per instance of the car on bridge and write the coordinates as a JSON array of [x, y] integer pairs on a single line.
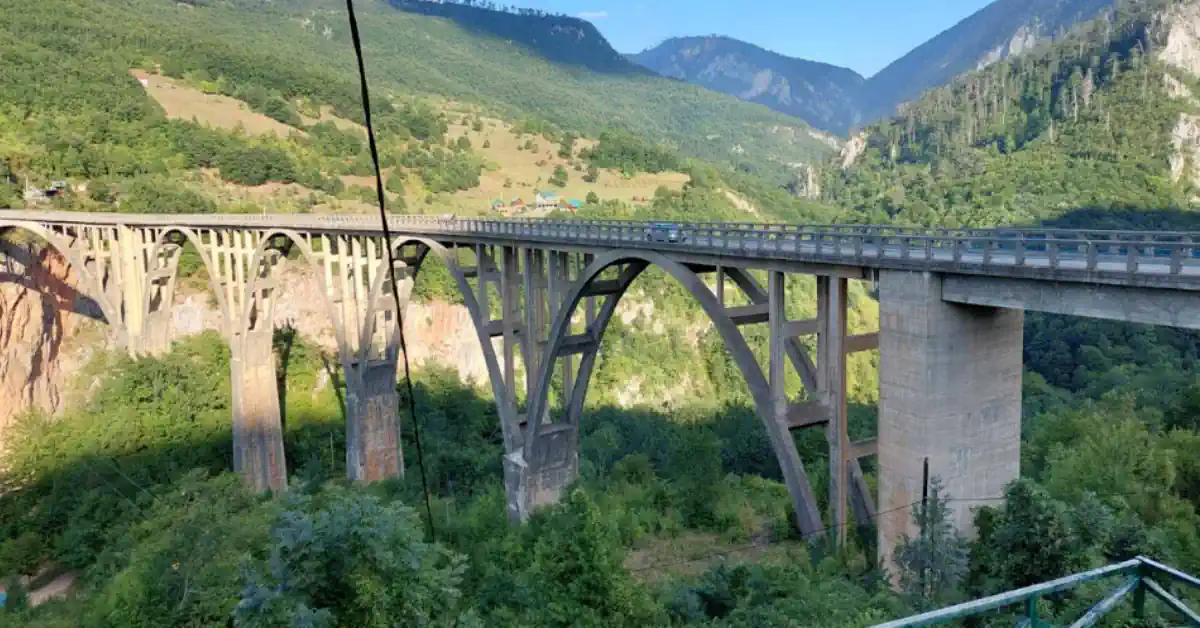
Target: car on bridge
[[665, 232]]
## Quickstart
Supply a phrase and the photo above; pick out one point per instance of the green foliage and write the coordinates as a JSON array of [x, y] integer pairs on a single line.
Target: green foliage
[[255, 165], [17, 600], [619, 150], [934, 565], [592, 198], [1084, 123], [395, 184], [593, 174], [153, 195], [344, 558], [567, 149], [441, 170], [559, 178]]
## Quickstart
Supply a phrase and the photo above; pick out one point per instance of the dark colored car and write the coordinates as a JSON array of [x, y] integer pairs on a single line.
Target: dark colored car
[[665, 232]]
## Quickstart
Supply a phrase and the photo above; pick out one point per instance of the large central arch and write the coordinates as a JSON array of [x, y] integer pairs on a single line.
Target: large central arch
[[540, 449]]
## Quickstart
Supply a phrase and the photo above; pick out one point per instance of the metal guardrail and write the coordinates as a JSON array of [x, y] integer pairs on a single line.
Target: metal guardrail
[[1174, 256], [1139, 579]]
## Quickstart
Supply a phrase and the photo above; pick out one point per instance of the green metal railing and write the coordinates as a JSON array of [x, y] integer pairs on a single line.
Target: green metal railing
[[1139, 579]]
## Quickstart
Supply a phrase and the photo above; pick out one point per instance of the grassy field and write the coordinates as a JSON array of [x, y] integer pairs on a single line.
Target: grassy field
[[516, 173], [182, 102], [511, 171]]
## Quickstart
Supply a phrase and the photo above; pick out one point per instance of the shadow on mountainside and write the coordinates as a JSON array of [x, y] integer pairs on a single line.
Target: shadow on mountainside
[[1159, 219], [559, 39]]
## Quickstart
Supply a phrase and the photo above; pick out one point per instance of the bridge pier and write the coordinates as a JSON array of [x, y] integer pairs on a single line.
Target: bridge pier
[[950, 392], [372, 426], [257, 422]]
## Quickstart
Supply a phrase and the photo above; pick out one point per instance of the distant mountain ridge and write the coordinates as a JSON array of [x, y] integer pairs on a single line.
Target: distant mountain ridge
[[837, 99], [824, 95], [1000, 30], [558, 38]]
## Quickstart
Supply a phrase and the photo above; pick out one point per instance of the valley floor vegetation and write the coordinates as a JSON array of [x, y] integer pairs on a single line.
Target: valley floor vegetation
[[678, 519]]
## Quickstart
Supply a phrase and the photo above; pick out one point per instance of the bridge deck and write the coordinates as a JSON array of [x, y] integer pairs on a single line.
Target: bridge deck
[[1166, 260]]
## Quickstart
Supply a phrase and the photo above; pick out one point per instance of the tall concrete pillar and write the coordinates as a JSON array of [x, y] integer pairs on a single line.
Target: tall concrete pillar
[[131, 273], [257, 423], [372, 425], [950, 391]]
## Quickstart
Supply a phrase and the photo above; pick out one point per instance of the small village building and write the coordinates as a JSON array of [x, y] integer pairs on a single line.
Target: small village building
[[545, 200]]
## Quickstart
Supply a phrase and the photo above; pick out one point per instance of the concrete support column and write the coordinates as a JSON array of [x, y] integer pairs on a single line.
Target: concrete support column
[[257, 425], [950, 391], [808, 518], [831, 390], [372, 425], [131, 275]]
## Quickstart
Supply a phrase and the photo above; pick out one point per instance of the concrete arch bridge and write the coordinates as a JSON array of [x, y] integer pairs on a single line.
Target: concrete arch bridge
[[952, 304]]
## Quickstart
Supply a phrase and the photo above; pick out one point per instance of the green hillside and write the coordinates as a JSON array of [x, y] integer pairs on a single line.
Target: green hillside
[[301, 50], [1085, 123]]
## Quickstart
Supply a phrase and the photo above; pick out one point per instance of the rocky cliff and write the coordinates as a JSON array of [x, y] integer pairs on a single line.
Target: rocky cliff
[[41, 317]]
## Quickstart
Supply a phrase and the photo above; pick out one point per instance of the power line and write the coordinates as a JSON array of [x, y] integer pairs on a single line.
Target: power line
[[391, 255]]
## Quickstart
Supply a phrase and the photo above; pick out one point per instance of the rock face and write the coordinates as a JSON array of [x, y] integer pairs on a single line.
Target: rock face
[[1182, 47], [437, 332], [40, 313]]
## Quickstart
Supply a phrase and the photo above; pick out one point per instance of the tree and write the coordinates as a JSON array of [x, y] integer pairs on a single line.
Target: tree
[[593, 198], [350, 560], [462, 143], [395, 184], [1034, 537], [560, 177], [933, 565], [567, 149], [593, 174], [18, 595]]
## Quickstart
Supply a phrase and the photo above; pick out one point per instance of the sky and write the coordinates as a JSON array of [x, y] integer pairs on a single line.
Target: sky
[[863, 35]]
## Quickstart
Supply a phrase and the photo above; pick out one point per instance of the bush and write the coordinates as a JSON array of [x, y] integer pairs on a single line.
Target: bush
[[346, 559], [161, 196], [559, 178], [255, 165]]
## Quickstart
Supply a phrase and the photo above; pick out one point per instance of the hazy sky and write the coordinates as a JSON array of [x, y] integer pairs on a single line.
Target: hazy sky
[[864, 35]]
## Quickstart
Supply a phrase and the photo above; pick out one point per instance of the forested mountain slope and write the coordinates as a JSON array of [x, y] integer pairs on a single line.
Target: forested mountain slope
[[826, 96], [1102, 118], [1000, 30], [837, 99]]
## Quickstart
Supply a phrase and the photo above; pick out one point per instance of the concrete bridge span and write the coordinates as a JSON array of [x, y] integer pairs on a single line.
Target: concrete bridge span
[[950, 337]]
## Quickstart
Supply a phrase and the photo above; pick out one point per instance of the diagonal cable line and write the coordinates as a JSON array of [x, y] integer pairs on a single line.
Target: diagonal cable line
[[391, 255]]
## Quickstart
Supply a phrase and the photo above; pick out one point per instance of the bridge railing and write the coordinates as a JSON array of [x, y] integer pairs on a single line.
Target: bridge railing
[[1091, 251]]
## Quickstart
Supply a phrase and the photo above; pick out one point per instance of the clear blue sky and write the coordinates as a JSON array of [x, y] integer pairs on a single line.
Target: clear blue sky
[[864, 35]]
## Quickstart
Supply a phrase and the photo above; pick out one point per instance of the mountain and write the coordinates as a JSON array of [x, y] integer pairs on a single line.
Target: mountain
[[538, 70], [1102, 122], [823, 95], [837, 99], [1000, 30]]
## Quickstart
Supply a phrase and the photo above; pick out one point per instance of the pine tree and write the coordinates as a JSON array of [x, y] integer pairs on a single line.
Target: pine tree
[[934, 564]]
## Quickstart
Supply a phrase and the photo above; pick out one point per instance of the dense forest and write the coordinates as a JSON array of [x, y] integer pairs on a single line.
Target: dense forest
[[679, 517]]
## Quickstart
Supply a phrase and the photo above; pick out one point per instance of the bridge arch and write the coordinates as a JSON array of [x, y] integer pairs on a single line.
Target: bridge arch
[[158, 295], [87, 276], [633, 263], [506, 408]]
